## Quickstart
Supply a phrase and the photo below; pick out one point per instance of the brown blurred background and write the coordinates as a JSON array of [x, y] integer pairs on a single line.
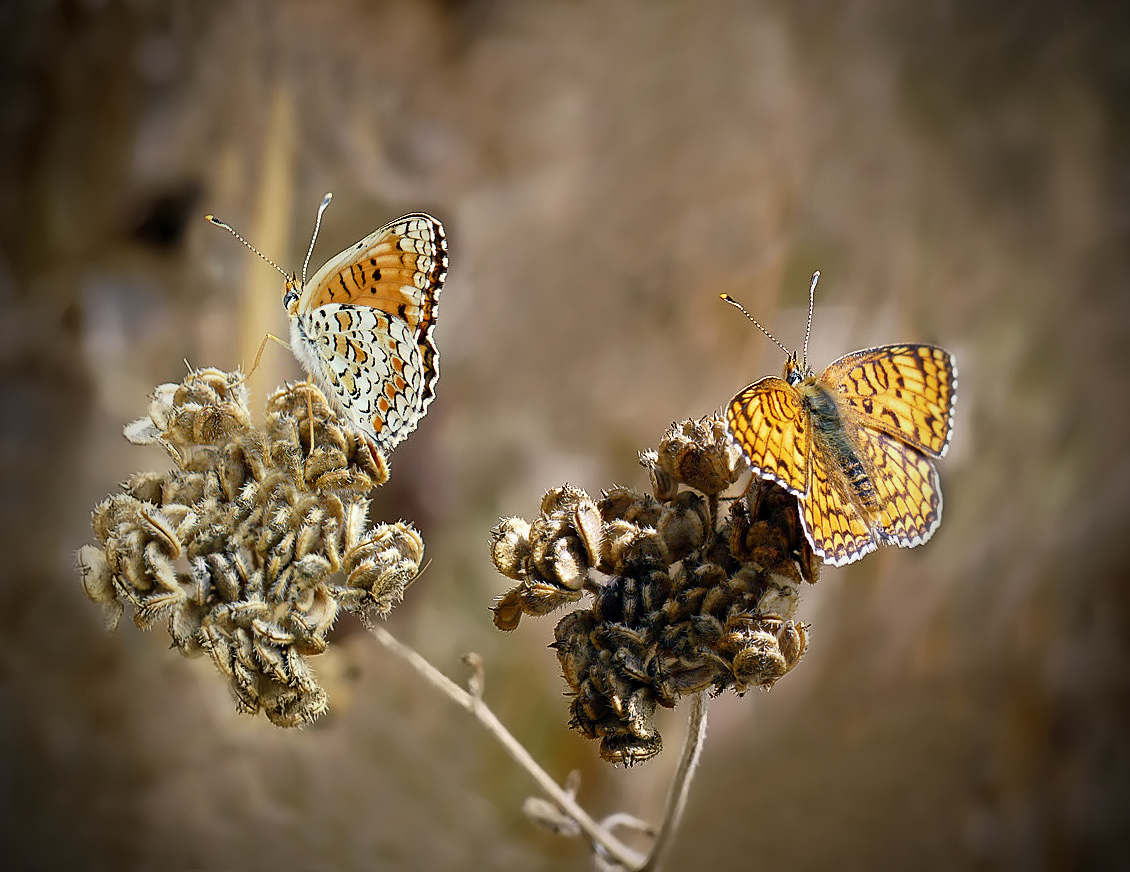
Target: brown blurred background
[[959, 171]]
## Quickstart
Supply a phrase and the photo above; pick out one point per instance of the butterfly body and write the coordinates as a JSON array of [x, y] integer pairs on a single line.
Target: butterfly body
[[854, 445], [833, 434], [362, 327]]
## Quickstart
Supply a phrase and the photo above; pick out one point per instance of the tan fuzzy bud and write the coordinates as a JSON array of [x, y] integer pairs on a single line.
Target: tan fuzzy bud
[[663, 485], [624, 504], [564, 498], [684, 524], [590, 529], [510, 547], [629, 546], [508, 611], [541, 597], [793, 641], [701, 455], [628, 750], [148, 487]]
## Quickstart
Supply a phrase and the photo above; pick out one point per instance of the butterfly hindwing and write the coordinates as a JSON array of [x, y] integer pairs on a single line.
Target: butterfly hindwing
[[907, 391], [907, 485], [371, 365], [834, 526]]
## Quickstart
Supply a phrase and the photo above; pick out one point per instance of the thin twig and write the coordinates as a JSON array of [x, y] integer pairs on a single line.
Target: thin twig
[[620, 852], [680, 786]]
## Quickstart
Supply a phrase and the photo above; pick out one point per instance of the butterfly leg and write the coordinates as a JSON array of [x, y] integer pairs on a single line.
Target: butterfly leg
[[255, 366], [310, 414], [259, 354]]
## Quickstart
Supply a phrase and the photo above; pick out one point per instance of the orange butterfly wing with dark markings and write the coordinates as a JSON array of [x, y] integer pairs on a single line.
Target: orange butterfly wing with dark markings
[[907, 391], [834, 526], [768, 421], [908, 486]]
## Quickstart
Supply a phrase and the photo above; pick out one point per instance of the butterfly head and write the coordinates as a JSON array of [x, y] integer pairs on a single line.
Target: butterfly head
[[294, 285], [795, 371], [291, 295]]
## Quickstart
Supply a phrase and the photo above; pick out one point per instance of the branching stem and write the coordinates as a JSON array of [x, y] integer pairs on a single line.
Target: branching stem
[[612, 846]]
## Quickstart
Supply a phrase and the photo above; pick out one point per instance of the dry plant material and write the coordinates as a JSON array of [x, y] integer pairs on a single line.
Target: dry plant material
[[252, 543], [683, 595]]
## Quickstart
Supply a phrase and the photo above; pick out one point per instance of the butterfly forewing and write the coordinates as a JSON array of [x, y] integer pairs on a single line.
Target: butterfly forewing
[[394, 269], [770, 425], [907, 391]]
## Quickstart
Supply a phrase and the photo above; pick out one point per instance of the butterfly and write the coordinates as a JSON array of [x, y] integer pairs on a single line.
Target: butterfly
[[856, 445], [362, 325]]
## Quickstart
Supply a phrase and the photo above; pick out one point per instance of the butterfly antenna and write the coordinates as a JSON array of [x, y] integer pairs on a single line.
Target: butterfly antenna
[[317, 226], [808, 329], [212, 219], [727, 298]]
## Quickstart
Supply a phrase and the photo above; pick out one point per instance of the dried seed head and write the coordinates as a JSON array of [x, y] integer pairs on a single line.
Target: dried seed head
[[694, 598], [663, 484], [251, 545]]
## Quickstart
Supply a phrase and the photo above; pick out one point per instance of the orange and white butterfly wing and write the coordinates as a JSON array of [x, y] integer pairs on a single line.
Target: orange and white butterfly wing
[[770, 425], [907, 391], [364, 326], [369, 365]]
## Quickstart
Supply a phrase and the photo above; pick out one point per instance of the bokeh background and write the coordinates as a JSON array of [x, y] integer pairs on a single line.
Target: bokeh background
[[958, 170]]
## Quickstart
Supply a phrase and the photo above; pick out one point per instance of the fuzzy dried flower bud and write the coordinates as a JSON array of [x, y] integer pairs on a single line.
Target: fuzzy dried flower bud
[[701, 455], [550, 557], [252, 544], [663, 484], [510, 547], [684, 524]]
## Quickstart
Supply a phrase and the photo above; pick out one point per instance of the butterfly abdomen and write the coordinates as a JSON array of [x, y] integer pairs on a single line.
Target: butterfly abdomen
[[831, 429]]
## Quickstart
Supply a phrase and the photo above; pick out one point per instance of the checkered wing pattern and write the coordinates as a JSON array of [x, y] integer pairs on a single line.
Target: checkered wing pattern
[[770, 425], [834, 525], [907, 391], [364, 327], [908, 487], [856, 446]]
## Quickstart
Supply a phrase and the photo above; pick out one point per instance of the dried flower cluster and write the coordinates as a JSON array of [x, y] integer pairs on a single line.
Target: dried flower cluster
[[251, 544], [686, 598]]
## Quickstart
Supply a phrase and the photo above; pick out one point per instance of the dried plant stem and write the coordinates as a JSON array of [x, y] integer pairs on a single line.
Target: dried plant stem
[[615, 849], [680, 786]]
